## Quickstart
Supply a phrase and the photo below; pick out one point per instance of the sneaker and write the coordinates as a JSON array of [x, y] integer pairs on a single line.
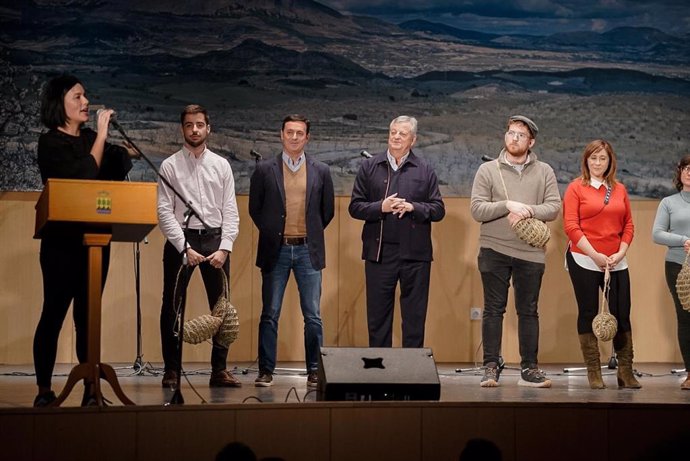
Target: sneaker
[[533, 377], [265, 379], [44, 399], [223, 378], [491, 374], [169, 379], [312, 379]]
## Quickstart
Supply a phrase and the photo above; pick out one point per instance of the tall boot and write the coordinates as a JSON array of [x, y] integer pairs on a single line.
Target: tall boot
[[590, 352], [623, 345]]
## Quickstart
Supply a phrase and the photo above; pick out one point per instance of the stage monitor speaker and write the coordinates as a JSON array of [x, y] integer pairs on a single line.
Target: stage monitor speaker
[[361, 373]]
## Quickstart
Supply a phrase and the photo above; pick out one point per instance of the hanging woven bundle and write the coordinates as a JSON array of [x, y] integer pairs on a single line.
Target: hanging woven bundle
[[683, 285], [230, 325], [201, 328], [605, 324], [533, 231]]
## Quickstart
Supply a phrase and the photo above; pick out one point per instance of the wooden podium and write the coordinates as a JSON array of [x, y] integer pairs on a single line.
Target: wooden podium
[[105, 211]]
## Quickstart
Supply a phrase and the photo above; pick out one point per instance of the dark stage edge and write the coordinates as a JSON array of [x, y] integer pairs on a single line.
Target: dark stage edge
[[567, 421]]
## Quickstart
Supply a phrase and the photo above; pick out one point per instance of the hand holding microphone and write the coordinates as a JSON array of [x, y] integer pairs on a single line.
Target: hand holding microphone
[[106, 117], [103, 117]]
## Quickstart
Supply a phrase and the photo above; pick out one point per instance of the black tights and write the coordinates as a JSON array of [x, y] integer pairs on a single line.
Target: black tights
[[64, 265]]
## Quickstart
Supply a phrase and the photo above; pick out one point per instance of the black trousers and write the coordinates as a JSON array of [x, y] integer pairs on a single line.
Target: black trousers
[[64, 266], [587, 286], [672, 270], [213, 283], [381, 281]]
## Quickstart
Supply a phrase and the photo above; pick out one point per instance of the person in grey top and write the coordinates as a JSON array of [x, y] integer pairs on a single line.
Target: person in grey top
[[515, 186], [672, 228]]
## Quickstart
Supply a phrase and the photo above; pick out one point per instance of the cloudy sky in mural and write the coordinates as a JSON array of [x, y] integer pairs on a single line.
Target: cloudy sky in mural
[[537, 17]]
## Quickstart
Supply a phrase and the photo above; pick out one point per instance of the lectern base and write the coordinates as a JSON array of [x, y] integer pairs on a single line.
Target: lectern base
[[92, 375]]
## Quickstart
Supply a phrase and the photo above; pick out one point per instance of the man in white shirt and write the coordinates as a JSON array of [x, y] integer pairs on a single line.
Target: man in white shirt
[[205, 179]]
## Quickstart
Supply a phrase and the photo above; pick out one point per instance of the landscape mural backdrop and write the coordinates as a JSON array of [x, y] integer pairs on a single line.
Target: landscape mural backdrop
[[582, 70]]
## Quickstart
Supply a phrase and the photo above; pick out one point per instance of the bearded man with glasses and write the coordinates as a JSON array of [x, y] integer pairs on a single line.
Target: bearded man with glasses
[[513, 187]]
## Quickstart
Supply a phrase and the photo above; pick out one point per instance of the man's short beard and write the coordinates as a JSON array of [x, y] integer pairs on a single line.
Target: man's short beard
[[195, 143]]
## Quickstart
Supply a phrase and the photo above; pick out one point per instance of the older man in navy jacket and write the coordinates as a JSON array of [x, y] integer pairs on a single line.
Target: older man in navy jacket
[[291, 201], [396, 194]]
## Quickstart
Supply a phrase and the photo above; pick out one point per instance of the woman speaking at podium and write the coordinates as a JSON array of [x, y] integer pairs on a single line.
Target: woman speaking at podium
[[69, 150]]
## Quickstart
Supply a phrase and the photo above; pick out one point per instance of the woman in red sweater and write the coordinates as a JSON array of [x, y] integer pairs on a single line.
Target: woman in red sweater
[[599, 226]]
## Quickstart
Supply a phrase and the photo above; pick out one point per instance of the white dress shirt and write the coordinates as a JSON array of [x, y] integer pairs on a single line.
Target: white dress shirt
[[208, 183]]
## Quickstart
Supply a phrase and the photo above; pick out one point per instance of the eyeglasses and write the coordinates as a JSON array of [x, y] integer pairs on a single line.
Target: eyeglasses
[[608, 195], [521, 136], [685, 169]]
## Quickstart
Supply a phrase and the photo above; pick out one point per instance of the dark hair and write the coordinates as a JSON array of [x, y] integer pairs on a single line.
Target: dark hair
[[235, 451], [194, 109], [685, 161], [53, 100], [591, 148], [480, 449], [296, 118]]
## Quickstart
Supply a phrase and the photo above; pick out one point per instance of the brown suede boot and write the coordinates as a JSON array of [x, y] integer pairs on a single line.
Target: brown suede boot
[[590, 352], [623, 345]]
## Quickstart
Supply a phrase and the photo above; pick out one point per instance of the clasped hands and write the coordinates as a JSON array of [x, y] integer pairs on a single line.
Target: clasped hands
[[602, 261], [518, 211], [216, 259], [396, 205]]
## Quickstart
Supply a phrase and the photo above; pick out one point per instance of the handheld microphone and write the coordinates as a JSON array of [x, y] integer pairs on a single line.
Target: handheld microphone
[[113, 119], [255, 154], [365, 154]]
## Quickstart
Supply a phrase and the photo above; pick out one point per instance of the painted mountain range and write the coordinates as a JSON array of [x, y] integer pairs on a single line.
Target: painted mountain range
[[251, 63]]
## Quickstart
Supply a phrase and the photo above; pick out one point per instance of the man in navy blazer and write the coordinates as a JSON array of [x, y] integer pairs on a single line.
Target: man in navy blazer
[[396, 194], [291, 201]]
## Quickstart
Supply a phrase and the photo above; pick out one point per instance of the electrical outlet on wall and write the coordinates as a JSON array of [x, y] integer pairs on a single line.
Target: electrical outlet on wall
[[475, 313]]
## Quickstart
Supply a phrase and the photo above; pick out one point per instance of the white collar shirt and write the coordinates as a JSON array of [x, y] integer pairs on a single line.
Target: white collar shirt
[[208, 183]]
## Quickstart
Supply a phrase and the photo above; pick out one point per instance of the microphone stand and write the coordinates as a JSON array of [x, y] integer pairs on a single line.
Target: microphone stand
[[138, 366], [177, 395]]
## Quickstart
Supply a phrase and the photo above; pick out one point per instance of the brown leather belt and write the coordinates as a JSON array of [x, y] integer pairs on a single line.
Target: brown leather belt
[[294, 241]]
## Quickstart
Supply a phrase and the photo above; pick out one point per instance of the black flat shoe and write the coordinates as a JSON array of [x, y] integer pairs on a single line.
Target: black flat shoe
[[44, 399]]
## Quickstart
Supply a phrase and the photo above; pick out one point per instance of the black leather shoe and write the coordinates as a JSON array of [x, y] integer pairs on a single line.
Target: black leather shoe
[[44, 399]]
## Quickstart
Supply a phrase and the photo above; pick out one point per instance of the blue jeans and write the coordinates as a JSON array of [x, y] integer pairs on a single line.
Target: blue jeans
[[497, 270], [295, 258]]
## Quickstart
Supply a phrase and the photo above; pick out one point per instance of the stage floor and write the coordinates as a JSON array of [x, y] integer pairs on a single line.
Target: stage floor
[[661, 385]]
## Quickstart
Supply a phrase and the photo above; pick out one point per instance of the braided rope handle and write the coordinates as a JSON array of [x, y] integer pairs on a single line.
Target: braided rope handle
[[226, 287], [500, 174], [605, 292]]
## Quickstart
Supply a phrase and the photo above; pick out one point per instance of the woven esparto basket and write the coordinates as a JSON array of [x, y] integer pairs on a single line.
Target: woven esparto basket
[[683, 285], [201, 328], [533, 231], [230, 325], [604, 324]]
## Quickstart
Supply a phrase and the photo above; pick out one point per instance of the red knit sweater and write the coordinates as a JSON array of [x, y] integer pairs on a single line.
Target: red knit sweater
[[605, 226]]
